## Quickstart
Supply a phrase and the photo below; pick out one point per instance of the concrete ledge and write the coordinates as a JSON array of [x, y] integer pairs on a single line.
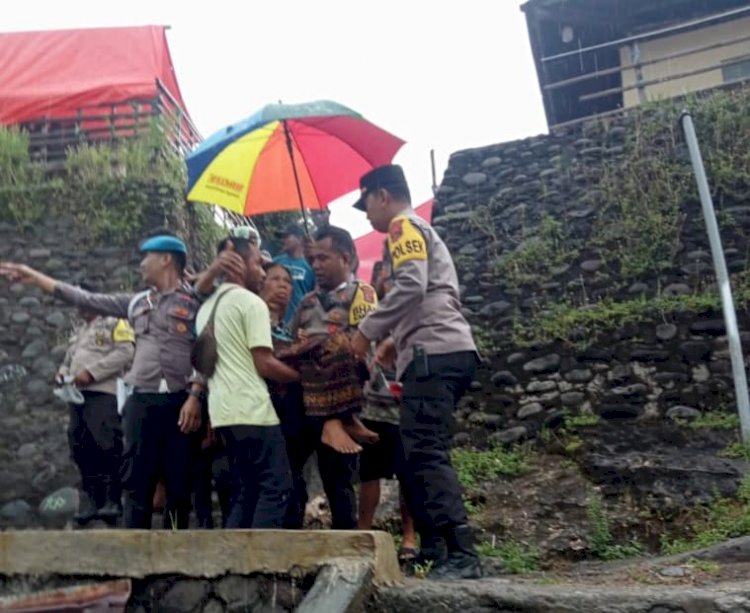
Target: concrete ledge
[[517, 595], [199, 553], [340, 587]]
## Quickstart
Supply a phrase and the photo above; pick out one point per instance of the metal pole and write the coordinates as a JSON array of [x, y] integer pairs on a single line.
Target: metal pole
[[434, 177], [290, 148], [722, 277]]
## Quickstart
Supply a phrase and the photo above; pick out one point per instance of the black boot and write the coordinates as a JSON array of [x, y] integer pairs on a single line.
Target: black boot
[[432, 553], [136, 516], [87, 510], [462, 561], [112, 507]]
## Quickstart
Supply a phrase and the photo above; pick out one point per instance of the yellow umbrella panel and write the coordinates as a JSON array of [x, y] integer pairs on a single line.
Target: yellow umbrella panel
[[254, 175]]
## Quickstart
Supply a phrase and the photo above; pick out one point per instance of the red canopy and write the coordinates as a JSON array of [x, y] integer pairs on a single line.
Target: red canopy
[[53, 74], [370, 246]]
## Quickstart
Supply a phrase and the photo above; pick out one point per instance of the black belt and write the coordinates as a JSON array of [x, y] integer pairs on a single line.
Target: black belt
[[154, 392]]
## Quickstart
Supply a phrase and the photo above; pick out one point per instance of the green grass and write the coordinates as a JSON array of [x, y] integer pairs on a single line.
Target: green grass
[[600, 535], [736, 451], [517, 558], [422, 570], [720, 420], [722, 519], [707, 566], [472, 507], [583, 420], [474, 466]]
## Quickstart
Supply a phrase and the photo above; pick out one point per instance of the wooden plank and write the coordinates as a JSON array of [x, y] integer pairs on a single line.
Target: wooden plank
[[111, 596]]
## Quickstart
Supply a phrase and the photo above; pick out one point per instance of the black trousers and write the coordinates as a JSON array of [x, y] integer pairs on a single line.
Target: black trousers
[[338, 471], [431, 485], [211, 474], [155, 447], [261, 479], [95, 439]]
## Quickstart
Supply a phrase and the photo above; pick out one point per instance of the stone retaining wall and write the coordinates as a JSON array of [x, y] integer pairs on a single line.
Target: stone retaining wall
[[34, 332], [603, 218]]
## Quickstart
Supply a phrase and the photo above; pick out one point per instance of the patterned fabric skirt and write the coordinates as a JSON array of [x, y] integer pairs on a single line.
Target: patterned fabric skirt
[[330, 375]]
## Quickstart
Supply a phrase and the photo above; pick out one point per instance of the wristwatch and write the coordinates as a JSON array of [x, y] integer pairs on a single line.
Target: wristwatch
[[196, 394]]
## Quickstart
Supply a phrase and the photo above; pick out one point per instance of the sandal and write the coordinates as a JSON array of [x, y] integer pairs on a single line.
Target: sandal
[[406, 554]]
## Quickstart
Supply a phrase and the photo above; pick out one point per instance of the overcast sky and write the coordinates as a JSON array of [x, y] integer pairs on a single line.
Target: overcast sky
[[458, 74]]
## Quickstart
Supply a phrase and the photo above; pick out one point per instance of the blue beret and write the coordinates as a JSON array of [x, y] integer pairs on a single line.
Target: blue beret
[[163, 242]]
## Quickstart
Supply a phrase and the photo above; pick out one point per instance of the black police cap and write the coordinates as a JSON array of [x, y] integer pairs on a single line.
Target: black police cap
[[390, 175]]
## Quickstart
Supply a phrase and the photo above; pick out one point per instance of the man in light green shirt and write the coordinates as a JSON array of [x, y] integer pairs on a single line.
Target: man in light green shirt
[[239, 405], [239, 395]]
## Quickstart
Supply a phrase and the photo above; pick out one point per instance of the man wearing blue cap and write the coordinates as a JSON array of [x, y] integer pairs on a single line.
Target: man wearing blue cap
[[421, 328], [164, 409]]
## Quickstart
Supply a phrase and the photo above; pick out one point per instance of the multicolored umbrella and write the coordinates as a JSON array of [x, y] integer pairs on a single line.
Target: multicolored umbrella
[[287, 156]]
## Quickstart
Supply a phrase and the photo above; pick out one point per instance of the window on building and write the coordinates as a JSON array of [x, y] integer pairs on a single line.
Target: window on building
[[736, 69]]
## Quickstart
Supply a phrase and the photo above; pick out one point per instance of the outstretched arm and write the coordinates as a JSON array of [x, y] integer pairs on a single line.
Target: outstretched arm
[[115, 305], [20, 273]]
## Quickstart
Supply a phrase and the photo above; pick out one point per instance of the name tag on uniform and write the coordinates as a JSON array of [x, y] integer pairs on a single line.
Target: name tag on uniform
[[163, 388]]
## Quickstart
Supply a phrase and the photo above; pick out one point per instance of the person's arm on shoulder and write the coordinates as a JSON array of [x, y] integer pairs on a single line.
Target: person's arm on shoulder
[[228, 262]]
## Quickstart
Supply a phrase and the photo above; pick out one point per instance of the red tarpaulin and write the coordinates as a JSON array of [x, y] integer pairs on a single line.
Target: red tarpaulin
[[370, 246], [53, 74]]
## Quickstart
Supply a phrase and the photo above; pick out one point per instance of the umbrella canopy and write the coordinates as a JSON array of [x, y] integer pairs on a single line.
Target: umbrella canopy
[[287, 156]]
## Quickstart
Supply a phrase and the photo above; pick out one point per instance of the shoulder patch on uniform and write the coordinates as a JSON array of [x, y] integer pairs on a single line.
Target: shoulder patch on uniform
[[122, 332], [405, 242], [364, 301]]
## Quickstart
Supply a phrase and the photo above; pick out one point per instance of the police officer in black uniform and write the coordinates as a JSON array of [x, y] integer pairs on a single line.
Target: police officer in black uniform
[[420, 325]]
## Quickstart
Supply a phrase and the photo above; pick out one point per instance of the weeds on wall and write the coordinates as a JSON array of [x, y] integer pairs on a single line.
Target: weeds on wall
[[108, 189], [649, 194], [113, 187], [581, 328], [645, 200], [24, 190], [542, 250]]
